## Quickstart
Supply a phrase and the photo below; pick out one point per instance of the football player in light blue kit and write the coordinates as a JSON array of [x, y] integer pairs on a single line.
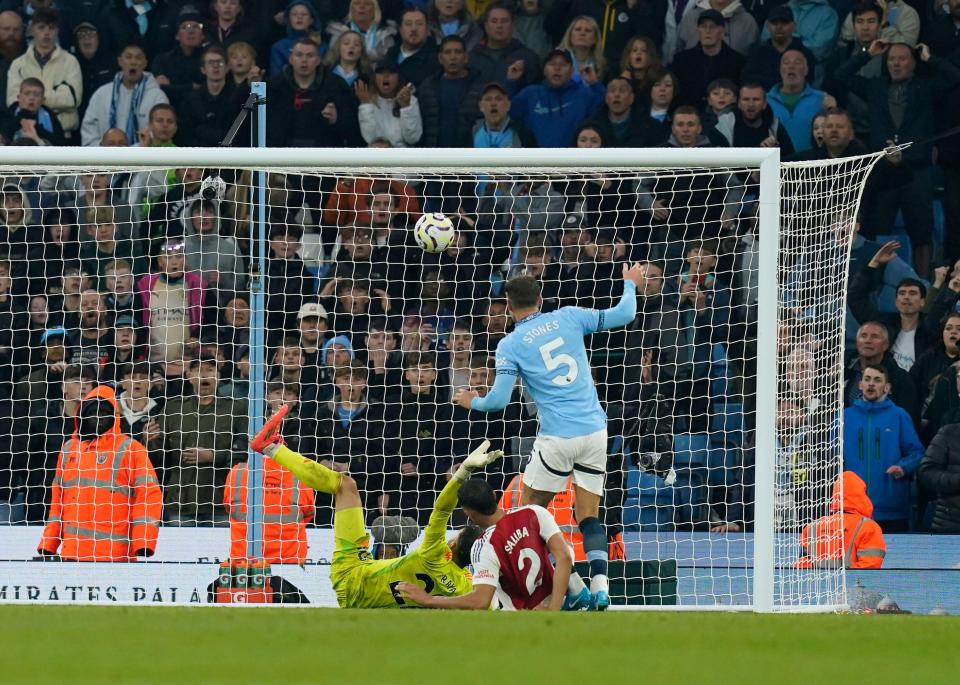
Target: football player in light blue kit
[[546, 350]]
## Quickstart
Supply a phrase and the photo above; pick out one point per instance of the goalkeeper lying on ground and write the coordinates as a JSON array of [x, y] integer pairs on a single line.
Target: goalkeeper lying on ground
[[358, 579]]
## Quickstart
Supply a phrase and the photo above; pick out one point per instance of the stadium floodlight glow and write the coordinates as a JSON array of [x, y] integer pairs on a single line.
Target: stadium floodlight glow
[[757, 324]]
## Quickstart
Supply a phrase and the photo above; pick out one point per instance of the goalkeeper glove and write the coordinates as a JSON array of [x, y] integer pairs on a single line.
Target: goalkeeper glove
[[477, 459]]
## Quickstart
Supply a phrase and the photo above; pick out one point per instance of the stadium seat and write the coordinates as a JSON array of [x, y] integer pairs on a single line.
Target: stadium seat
[[726, 423], [690, 450]]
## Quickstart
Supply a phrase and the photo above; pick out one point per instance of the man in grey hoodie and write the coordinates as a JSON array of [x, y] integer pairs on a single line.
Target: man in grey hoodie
[[214, 255]]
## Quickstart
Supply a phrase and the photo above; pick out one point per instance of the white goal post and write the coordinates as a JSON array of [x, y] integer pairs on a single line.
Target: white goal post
[[791, 217]]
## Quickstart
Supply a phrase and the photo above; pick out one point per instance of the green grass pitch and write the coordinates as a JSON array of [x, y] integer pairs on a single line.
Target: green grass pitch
[[118, 645]]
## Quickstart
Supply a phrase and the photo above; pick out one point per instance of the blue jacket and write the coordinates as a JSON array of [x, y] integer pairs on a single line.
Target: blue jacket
[[799, 122], [280, 51], [553, 114], [876, 436]]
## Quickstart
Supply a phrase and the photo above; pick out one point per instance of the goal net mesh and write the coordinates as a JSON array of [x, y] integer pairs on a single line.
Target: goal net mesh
[[129, 291]]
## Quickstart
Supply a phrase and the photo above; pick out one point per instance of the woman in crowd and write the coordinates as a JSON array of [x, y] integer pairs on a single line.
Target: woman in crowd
[[302, 20], [387, 110], [638, 64], [367, 20], [347, 58], [582, 41]]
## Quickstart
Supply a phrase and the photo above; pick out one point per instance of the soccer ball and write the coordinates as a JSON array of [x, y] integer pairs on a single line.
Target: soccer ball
[[434, 232]]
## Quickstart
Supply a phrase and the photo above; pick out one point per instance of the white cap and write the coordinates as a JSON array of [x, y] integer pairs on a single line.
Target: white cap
[[312, 309]]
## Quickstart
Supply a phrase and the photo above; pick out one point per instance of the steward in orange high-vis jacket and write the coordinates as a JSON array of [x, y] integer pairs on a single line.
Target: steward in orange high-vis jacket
[[860, 536], [288, 506], [105, 501]]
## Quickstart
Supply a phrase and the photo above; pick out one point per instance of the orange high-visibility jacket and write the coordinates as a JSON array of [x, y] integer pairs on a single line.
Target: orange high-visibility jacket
[[851, 538], [288, 505], [562, 510], [105, 501]]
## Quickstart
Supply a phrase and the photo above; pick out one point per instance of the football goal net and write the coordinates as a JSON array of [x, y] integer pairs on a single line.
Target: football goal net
[[157, 304]]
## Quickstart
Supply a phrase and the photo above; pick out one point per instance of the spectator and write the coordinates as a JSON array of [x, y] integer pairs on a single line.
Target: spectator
[[90, 344], [120, 292], [939, 472], [848, 536], [172, 303], [89, 522], [153, 26], [366, 18], [867, 18], [554, 108], [359, 435], [356, 261], [384, 360], [301, 21], [763, 60], [65, 306], [387, 110], [663, 97], [287, 281], [709, 59], [911, 331], [795, 102], [136, 405], [529, 26], [95, 60], [619, 124], [638, 64], [935, 362], [799, 474], [449, 18], [873, 345], [11, 43], [353, 306], [706, 203], [582, 41], [754, 124], [17, 231], [228, 25], [200, 436], [104, 244], [124, 350], [347, 58], [57, 68], [500, 56], [902, 106], [496, 129], [740, 26], [493, 323], [209, 252], [42, 385], [882, 447], [817, 26], [29, 118], [309, 106], [455, 371], [312, 325], [620, 19], [126, 103], [287, 363], [234, 328], [242, 63], [721, 100], [207, 112], [423, 422], [415, 56], [901, 24], [448, 99], [13, 331], [178, 70]]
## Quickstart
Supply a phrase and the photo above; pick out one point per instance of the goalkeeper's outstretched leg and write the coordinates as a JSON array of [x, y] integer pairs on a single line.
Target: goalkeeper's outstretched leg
[[317, 476]]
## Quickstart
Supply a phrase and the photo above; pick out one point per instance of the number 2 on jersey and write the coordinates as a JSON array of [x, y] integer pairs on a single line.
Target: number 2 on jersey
[[555, 362], [533, 571]]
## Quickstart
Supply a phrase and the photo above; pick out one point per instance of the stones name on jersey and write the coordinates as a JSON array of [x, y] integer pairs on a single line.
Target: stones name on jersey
[[541, 329]]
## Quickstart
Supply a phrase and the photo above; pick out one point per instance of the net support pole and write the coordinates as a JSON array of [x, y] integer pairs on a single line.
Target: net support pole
[[258, 259], [766, 415]]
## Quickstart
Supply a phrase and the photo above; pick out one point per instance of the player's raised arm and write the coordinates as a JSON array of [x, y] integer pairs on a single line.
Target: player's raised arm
[[499, 395], [436, 529], [626, 309]]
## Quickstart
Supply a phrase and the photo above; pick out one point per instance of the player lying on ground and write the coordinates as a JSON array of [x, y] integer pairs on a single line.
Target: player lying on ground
[[358, 579], [514, 563], [546, 350]]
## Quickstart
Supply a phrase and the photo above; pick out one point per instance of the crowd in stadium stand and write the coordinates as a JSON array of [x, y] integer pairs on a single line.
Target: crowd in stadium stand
[[141, 280]]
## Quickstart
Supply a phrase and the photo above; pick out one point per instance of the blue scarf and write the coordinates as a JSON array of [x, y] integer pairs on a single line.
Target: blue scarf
[[349, 78], [141, 17], [135, 101], [369, 37], [44, 121]]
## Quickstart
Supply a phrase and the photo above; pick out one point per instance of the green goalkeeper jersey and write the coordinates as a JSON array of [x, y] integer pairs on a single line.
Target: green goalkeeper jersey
[[362, 582]]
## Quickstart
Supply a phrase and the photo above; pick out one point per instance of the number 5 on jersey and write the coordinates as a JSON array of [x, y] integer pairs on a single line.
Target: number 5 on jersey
[[554, 362]]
